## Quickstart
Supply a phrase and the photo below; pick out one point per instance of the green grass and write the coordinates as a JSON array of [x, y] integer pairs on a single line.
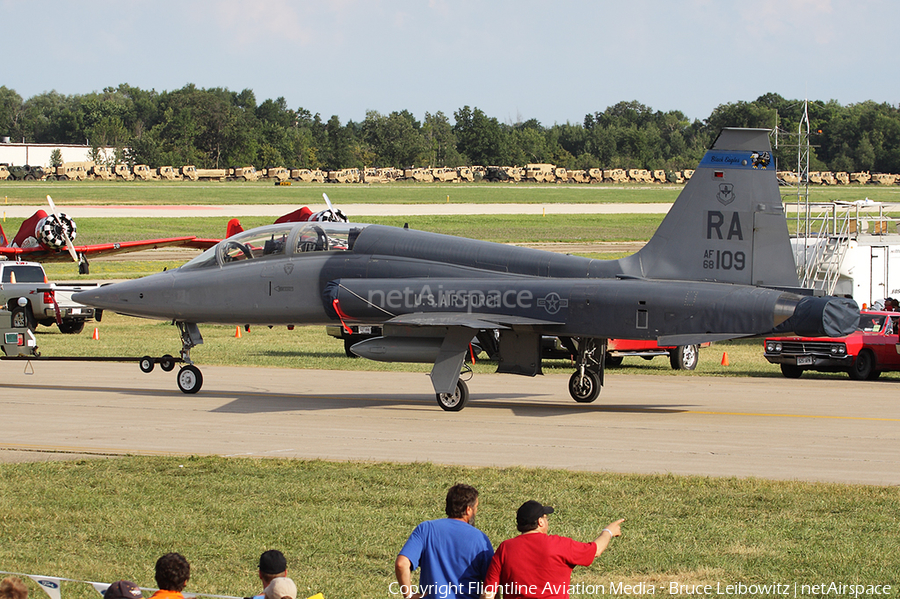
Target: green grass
[[308, 193], [341, 525], [185, 193]]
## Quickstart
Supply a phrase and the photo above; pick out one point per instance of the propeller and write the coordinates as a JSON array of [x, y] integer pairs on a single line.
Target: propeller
[[62, 226], [336, 215]]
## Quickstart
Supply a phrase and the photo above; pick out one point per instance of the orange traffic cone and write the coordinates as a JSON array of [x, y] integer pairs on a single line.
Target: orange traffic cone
[[725, 358], [237, 332], [96, 335]]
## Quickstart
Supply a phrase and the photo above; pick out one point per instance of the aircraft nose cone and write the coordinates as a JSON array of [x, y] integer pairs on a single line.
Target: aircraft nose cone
[[141, 297]]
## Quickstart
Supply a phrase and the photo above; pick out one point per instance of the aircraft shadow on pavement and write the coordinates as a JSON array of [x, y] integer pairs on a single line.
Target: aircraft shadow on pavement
[[253, 403], [274, 402]]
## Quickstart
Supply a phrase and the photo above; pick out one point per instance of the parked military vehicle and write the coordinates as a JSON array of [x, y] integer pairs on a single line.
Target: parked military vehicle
[[26, 173], [539, 173], [142, 172], [243, 173], [123, 173], [167, 173]]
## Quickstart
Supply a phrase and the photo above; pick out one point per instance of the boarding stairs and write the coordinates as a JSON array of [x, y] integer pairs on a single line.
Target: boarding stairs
[[824, 233]]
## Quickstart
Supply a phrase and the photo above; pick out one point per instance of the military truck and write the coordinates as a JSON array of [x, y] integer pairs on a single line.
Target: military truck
[[615, 175], [465, 173], [277, 174], [167, 173], [578, 176], [70, 171], [142, 172], [539, 173], [102, 172], [243, 173], [640, 175], [862, 177], [445, 175], [123, 172], [347, 175], [374, 175], [308, 175], [884, 179], [4, 172], [188, 173], [211, 174], [422, 175]]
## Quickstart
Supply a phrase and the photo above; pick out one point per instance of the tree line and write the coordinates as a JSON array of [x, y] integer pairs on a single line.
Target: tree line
[[217, 128]]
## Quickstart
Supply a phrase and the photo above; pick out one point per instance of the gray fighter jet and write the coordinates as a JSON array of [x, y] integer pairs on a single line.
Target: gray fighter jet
[[720, 266]]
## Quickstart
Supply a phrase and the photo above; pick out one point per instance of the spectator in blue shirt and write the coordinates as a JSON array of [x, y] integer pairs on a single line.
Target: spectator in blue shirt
[[452, 553]]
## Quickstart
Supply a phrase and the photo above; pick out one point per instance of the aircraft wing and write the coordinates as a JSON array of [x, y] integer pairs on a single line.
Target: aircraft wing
[[42, 254]]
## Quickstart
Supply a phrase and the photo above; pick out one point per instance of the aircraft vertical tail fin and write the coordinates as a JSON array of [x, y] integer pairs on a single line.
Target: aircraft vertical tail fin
[[728, 223], [233, 228]]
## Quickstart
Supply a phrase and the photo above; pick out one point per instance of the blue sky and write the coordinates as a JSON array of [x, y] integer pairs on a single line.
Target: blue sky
[[554, 61]]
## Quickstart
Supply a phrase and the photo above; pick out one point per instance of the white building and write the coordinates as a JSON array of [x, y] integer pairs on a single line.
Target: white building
[[20, 154]]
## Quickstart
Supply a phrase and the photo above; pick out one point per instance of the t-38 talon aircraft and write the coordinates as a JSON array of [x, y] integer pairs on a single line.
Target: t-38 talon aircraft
[[720, 266]]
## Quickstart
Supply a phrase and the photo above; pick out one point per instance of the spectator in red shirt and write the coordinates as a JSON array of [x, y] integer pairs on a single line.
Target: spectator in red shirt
[[538, 564]]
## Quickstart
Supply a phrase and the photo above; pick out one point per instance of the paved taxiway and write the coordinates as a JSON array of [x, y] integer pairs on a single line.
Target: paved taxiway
[[807, 429]]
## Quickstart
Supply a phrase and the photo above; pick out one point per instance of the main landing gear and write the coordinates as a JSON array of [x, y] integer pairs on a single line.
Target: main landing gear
[[584, 384], [456, 401], [587, 380]]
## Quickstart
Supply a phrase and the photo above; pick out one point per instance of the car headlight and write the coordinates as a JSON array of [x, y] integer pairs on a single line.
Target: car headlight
[[773, 347]]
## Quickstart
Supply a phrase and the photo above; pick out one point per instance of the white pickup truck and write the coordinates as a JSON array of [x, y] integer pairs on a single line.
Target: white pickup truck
[[44, 303]]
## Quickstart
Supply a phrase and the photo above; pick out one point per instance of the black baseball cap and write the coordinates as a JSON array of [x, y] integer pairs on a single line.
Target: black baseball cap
[[272, 562], [123, 589], [531, 511]]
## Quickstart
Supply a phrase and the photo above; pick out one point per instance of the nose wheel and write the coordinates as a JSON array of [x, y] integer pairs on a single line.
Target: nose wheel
[[189, 379]]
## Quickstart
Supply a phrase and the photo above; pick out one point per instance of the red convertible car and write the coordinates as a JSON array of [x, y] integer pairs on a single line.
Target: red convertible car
[[864, 354]]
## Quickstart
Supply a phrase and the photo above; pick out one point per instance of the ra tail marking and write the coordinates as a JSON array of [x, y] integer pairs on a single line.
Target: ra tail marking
[[728, 223]]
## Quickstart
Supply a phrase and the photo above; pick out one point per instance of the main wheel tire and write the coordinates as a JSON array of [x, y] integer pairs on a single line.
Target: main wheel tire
[[22, 318], [456, 401], [862, 366], [584, 389], [791, 371], [684, 357], [167, 363], [146, 364], [189, 379]]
